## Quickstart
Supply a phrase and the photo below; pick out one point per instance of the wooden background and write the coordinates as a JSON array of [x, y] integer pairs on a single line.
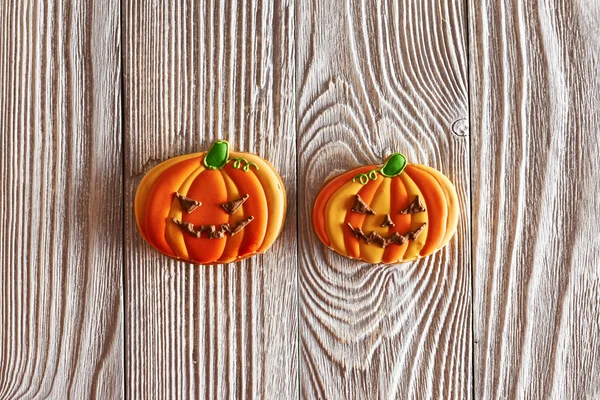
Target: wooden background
[[503, 96]]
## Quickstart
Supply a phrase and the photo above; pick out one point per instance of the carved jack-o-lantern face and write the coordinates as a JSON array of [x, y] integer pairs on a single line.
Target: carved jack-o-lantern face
[[213, 207], [398, 212], [212, 231]]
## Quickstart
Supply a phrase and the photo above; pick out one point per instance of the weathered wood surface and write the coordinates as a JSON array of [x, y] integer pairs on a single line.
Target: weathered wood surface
[[535, 121], [317, 88], [61, 314], [196, 71], [374, 77]]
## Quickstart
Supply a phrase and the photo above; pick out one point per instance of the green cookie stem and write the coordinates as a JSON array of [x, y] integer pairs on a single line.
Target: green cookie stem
[[394, 165], [218, 155]]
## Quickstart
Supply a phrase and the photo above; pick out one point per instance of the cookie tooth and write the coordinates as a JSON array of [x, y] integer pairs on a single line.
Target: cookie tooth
[[375, 237], [241, 225], [186, 226], [211, 230], [413, 235]]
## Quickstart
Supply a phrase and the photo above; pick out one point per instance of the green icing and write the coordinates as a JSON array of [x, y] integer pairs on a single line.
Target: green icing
[[365, 178], [394, 165], [243, 164], [218, 155]]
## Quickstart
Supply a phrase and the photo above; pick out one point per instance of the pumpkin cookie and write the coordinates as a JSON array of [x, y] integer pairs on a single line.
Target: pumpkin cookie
[[393, 213], [211, 208]]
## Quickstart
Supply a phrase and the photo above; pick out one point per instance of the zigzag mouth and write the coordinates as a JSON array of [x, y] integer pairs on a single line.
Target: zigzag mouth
[[211, 230], [385, 241]]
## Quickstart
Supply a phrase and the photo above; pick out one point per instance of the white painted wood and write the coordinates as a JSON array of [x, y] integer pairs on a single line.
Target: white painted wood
[[376, 77], [196, 71], [60, 192], [535, 113], [371, 77]]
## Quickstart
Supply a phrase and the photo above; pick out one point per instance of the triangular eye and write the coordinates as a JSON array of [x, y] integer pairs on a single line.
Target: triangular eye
[[414, 208], [189, 205], [234, 205], [361, 207]]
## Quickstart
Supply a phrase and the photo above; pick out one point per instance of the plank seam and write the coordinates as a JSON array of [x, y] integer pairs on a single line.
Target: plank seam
[[124, 197], [468, 6], [297, 134]]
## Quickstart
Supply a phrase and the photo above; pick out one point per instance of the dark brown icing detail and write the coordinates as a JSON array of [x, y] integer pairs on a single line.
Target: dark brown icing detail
[[387, 221], [375, 237], [414, 208], [413, 235], [398, 238], [189, 205], [361, 207], [185, 226], [211, 230], [241, 225], [234, 205]]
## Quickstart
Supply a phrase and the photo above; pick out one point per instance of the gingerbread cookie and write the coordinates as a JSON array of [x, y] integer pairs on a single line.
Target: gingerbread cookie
[[211, 208], [393, 213]]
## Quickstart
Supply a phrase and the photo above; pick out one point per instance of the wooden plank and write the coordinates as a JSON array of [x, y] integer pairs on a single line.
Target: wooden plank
[[376, 77], [60, 192], [196, 72], [535, 120]]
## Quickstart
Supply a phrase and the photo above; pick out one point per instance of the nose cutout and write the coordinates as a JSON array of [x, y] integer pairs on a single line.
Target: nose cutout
[[387, 222]]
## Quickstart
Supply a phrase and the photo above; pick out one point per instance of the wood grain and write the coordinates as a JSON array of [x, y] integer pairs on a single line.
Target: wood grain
[[535, 117], [196, 72], [376, 77], [60, 192]]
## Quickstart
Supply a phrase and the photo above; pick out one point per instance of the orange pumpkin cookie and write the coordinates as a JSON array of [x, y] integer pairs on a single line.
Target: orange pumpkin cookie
[[211, 208], [393, 213]]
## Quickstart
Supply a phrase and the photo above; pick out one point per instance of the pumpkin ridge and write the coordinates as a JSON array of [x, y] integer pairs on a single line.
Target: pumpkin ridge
[[398, 201], [445, 197], [145, 188], [256, 206], [436, 208], [173, 233], [416, 220], [335, 214], [372, 223], [274, 191], [451, 201], [231, 251], [204, 250], [160, 200], [325, 194], [367, 193]]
